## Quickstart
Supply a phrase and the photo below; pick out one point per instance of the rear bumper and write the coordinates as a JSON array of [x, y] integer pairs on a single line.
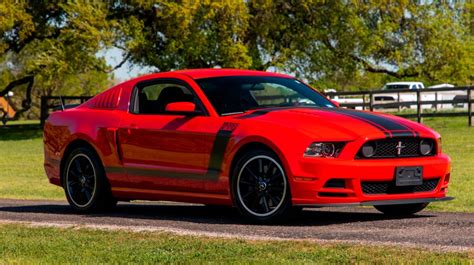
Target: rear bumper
[[308, 181]]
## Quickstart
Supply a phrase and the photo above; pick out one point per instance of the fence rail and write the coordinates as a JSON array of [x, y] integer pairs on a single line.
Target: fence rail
[[54, 102], [400, 99], [444, 102]]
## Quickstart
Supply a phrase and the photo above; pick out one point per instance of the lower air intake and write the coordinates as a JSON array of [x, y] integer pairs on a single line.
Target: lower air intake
[[388, 187]]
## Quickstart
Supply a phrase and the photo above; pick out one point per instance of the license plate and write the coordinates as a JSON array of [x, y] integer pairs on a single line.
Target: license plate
[[408, 176]]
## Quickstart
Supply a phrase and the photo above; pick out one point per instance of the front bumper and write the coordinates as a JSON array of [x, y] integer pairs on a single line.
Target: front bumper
[[308, 181]]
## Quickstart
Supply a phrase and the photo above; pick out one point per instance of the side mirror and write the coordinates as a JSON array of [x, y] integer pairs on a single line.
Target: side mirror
[[185, 108], [335, 103]]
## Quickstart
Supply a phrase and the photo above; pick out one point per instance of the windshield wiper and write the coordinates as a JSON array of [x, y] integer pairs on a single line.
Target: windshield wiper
[[232, 113]]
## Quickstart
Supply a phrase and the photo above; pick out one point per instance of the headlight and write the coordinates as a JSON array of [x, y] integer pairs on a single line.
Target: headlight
[[426, 147], [324, 149]]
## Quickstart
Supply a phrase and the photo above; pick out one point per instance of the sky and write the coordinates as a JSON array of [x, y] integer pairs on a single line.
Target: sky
[[127, 71]]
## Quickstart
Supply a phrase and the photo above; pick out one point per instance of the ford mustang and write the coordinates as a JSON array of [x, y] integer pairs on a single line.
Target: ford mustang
[[262, 142]]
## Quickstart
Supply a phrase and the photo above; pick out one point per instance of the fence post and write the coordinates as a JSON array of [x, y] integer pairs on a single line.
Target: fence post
[[436, 101], [44, 109], [418, 106], [469, 106], [371, 101], [363, 102], [398, 102]]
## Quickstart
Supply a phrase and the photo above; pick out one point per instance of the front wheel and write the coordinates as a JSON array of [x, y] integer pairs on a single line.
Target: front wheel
[[260, 188], [85, 183], [401, 209]]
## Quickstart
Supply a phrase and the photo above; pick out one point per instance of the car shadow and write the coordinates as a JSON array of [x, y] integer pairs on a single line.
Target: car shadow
[[211, 215]]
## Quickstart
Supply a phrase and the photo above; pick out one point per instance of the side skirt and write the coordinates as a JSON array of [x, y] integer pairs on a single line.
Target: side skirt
[[169, 195]]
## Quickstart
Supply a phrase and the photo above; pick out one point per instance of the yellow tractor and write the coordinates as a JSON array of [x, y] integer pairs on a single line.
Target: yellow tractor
[[6, 110]]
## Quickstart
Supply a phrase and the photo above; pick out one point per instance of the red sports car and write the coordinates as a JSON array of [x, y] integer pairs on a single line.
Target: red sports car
[[265, 143]]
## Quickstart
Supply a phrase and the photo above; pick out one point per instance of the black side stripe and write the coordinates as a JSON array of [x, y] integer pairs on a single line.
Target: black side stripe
[[218, 150], [215, 160], [154, 173]]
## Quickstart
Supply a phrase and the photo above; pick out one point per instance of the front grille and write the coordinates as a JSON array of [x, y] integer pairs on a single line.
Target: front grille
[[388, 187], [388, 148]]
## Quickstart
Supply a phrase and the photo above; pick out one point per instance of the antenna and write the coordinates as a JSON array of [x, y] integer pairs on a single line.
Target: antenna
[[62, 103]]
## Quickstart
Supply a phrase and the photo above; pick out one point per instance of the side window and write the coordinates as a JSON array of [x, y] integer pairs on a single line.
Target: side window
[[152, 98]]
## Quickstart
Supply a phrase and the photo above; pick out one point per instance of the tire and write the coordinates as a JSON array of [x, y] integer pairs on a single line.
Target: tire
[[260, 189], [85, 183], [401, 209]]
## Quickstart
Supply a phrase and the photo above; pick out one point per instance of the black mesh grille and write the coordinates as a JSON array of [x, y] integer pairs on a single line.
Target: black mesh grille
[[388, 148], [388, 187]]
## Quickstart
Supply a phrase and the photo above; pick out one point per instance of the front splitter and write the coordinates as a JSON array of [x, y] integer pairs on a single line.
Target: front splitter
[[379, 202]]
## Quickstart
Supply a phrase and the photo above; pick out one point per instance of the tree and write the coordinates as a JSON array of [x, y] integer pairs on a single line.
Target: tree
[[322, 41], [57, 44], [335, 44], [184, 34]]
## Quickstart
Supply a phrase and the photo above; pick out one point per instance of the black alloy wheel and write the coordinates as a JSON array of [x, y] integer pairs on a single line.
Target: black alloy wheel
[[260, 187], [85, 182]]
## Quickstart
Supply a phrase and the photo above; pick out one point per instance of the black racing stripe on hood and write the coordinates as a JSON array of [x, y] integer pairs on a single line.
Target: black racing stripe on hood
[[387, 125]]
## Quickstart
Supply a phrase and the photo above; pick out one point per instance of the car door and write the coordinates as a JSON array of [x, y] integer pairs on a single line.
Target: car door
[[162, 150]]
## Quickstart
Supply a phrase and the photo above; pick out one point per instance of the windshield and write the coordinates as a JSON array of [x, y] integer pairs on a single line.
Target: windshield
[[388, 87], [236, 94]]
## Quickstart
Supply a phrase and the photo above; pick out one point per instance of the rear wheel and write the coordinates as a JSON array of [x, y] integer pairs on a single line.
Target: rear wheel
[[401, 209], [260, 188], [85, 183]]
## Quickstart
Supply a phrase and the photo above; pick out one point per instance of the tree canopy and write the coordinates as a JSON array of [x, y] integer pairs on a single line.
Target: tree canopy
[[325, 42], [337, 44]]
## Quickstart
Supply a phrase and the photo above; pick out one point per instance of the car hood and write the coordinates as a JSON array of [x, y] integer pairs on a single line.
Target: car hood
[[338, 123]]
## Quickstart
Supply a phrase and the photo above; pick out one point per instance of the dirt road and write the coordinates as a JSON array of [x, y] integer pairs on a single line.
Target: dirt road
[[434, 230]]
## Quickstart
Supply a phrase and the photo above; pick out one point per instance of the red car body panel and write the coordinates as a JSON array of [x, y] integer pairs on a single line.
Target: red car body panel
[[182, 158]]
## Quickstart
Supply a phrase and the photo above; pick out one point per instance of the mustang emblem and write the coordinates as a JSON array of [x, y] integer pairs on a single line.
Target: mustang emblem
[[399, 148]]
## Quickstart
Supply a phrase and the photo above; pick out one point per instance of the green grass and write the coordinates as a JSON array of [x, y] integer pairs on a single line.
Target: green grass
[[458, 143], [21, 244], [23, 122], [22, 175]]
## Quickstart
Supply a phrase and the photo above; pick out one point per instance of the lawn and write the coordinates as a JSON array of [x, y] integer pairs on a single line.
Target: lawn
[[22, 174], [21, 244], [21, 166]]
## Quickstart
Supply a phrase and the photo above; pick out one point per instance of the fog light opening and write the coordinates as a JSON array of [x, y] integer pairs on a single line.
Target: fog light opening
[[368, 150], [335, 183], [446, 178]]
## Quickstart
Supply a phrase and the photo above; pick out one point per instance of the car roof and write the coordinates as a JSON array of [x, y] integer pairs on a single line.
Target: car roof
[[403, 83], [441, 85], [215, 72]]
